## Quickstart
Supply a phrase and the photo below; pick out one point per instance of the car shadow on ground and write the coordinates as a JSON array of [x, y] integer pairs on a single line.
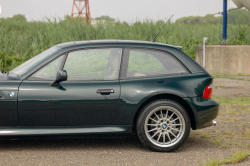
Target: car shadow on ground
[[83, 143]]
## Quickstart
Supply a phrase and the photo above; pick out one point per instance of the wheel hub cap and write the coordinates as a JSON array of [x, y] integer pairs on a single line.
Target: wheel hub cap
[[164, 126]]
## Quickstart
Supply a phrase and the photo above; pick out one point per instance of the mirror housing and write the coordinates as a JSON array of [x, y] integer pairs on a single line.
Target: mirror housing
[[60, 76]]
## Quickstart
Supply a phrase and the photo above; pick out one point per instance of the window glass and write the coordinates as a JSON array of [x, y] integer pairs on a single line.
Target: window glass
[[25, 67], [143, 63], [49, 71], [94, 64]]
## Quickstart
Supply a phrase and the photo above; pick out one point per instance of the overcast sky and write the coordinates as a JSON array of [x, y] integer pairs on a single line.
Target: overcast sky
[[124, 10]]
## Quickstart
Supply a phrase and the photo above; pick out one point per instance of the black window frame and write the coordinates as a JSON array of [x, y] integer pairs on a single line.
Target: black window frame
[[125, 62]]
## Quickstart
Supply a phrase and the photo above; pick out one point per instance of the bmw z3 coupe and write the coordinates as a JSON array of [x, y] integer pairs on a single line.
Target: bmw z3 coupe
[[108, 87]]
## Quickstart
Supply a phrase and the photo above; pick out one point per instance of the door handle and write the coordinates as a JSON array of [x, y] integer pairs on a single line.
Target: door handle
[[105, 91]]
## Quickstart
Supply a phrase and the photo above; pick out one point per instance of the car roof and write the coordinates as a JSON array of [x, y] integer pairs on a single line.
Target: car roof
[[78, 43]]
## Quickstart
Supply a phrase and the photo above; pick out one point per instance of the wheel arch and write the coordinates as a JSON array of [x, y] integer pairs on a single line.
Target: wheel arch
[[172, 97]]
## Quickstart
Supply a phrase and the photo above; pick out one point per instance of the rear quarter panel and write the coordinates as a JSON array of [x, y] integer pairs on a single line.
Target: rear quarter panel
[[135, 92]]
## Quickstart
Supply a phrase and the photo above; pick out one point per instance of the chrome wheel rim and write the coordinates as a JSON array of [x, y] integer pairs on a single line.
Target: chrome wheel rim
[[164, 126]]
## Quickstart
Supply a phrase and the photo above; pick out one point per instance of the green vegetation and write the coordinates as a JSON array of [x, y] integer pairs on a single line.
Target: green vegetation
[[232, 100], [219, 86], [20, 40], [106, 18], [236, 158], [235, 77], [240, 16], [17, 18]]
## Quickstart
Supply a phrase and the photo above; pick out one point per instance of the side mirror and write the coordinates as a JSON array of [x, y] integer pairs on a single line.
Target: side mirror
[[60, 76]]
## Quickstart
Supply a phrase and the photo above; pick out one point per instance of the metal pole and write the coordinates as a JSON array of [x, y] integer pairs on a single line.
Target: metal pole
[[224, 22], [204, 52]]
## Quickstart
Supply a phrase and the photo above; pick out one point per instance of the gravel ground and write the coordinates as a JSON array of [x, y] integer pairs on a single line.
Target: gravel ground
[[129, 151], [111, 151], [232, 88]]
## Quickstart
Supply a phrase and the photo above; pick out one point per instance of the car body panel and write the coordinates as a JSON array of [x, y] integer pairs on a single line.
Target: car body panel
[[136, 91], [205, 110], [75, 103], [8, 105]]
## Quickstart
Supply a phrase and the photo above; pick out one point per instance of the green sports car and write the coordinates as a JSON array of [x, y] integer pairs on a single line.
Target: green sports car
[[108, 87]]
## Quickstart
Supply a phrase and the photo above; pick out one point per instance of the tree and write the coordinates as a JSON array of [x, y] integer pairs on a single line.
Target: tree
[[19, 17], [106, 18], [239, 16]]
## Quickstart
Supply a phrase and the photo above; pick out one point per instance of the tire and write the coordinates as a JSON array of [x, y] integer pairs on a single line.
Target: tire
[[151, 129]]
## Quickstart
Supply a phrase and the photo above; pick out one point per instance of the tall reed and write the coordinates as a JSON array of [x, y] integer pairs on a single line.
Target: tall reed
[[20, 41]]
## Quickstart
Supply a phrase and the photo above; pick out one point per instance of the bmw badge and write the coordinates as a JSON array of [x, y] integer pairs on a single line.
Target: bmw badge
[[12, 94]]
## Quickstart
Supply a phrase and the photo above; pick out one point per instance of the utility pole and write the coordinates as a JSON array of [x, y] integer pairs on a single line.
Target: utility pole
[[224, 41]]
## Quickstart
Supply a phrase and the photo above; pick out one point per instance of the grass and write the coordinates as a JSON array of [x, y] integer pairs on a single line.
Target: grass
[[19, 41], [235, 77], [205, 135], [233, 100], [232, 112], [244, 79], [219, 86], [236, 158]]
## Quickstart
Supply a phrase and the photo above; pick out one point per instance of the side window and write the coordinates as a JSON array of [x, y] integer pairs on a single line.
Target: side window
[[94, 64], [49, 71], [147, 63]]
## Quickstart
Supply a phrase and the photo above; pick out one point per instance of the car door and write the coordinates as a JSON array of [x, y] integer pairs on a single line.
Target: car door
[[89, 96]]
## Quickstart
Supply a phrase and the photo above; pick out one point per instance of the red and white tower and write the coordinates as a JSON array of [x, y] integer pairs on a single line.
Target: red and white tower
[[80, 9]]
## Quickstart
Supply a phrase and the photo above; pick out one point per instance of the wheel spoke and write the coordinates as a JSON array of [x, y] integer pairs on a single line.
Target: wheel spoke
[[176, 124], [164, 136], [171, 116], [166, 117], [157, 116], [159, 137], [172, 134], [151, 124], [169, 138], [152, 130], [174, 120], [153, 120], [175, 129], [155, 134], [161, 114]]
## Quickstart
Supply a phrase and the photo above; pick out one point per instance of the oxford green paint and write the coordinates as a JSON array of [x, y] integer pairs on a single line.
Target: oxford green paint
[[136, 91], [8, 105], [76, 103], [205, 110]]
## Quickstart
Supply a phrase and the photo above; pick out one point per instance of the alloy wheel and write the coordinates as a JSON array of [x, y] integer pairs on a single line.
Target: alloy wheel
[[164, 126]]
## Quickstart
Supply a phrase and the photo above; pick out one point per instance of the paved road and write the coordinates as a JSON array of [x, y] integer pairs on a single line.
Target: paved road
[[103, 151]]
